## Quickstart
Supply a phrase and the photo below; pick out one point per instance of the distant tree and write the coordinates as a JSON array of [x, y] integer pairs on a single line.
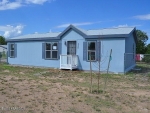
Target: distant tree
[[147, 57], [148, 49], [142, 37], [2, 40], [141, 47]]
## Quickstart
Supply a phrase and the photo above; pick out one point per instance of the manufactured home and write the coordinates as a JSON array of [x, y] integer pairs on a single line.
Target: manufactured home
[[74, 48]]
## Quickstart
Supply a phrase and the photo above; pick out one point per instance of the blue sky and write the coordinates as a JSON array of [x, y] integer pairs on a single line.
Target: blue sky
[[20, 17]]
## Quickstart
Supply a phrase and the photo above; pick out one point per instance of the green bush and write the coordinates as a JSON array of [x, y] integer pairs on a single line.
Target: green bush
[[146, 59]]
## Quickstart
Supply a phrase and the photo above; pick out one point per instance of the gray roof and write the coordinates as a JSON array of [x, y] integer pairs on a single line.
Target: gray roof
[[37, 35], [111, 31], [3, 46], [107, 32]]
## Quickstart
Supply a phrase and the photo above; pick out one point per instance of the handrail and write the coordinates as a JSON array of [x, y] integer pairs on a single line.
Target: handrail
[[68, 61]]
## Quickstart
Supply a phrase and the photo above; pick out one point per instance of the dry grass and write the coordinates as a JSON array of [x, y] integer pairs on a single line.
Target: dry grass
[[37, 90]]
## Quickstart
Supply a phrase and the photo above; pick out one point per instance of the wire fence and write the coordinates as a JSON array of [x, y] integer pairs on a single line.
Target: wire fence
[[3, 56], [141, 61], [143, 58]]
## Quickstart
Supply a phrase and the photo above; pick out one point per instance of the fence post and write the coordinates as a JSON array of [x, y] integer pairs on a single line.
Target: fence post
[[91, 71], [60, 61], [71, 62], [0, 57], [124, 62]]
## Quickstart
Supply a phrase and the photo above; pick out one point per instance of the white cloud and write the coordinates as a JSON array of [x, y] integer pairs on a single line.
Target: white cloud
[[5, 28], [3, 2], [63, 25], [143, 17], [76, 24], [7, 4], [82, 23], [11, 31], [125, 25], [36, 1]]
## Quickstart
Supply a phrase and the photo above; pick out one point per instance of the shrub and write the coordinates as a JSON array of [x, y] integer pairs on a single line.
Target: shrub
[[146, 59]]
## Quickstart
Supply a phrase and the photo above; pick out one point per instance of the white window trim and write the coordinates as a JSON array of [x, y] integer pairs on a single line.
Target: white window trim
[[12, 50], [91, 50], [51, 50]]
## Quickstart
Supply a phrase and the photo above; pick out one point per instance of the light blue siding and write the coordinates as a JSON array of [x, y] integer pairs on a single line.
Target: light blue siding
[[118, 48], [8, 52], [130, 60], [116, 44], [84, 51], [71, 35], [117, 63], [30, 53], [129, 41]]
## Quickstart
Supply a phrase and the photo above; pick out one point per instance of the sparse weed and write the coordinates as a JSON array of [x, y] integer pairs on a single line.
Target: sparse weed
[[74, 87]]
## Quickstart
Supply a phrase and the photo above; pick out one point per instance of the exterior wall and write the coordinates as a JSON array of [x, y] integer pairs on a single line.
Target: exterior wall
[[71, 35], [116, 44], [117, 63], [129, 44], [30, 53], [130, 58]]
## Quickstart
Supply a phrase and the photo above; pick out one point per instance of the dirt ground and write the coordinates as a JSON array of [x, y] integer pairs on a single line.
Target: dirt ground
[[37, 90]]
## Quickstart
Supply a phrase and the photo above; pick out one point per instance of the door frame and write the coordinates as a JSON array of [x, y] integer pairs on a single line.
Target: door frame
[[68, 47]]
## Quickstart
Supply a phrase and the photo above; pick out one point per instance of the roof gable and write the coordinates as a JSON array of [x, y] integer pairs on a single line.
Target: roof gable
[[79, 31], [99, 33]]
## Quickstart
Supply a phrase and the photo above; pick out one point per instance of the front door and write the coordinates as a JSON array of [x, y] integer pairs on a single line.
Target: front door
[[71, 48]]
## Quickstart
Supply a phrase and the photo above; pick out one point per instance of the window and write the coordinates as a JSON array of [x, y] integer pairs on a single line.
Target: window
[[92, 50], [12, 50], [51, 50]]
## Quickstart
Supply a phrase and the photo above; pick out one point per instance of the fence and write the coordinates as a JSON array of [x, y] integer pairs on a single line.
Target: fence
[[143, 58], [3, 56], [142, 62]]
